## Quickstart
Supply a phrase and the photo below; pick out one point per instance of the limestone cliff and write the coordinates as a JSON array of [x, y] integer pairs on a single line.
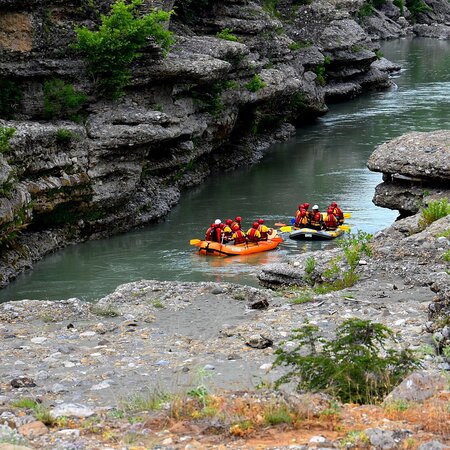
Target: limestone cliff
[[122, 164]]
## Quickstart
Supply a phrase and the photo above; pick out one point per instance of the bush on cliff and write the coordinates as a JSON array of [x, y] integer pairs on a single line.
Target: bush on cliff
[[5, 135], [122, 34], [435, 210], [62, 100], [355, 367]]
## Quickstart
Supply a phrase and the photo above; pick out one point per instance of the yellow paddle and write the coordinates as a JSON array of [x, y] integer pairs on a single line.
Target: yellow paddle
[[286, 229], [344, 227], [347, 215], [195, 241]]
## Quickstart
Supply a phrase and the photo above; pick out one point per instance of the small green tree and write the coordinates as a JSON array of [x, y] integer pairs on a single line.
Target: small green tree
[[356, 366], [5, 135], [110, 50], [255, 84], [62, 100]]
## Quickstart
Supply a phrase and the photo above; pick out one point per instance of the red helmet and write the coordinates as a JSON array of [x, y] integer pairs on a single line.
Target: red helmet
[[333, 204], [260, 221], [238, 218], [301, 206], [306, 205], [255, 225], [213, 225], [229, 222], [222, 226], [330, 210], [235, 227]]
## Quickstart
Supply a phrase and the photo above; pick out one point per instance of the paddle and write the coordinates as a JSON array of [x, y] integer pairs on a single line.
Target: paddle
[[344, 227], [286, 229], [195, 241], [279, 224], [347, 215]]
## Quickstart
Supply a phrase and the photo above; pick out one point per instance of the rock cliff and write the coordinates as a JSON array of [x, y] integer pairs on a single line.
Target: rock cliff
[[415, 167], [121, 164]]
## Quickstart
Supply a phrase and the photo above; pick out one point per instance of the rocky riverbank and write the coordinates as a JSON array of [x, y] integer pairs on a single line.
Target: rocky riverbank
[[94, 360], [125, 165]]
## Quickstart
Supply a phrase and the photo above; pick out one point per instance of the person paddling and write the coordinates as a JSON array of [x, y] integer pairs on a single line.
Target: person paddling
[[337, 212], [331, 223], [316, 219], [253, 234], [264, 230]]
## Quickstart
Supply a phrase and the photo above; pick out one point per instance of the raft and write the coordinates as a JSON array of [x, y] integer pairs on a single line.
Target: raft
[[249, 248], [309, 233]]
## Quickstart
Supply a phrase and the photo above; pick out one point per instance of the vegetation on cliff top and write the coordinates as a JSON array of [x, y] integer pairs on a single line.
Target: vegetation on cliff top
[[117, 43]]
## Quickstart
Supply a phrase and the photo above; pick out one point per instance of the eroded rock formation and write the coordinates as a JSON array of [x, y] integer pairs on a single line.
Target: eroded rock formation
[[415, 167]]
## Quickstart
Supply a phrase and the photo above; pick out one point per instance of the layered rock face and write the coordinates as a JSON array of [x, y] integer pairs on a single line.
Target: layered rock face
[[124, 163], [415, 167]]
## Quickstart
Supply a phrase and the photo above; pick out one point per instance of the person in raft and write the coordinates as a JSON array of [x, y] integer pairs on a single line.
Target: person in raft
[[253, 234], [226, 231], [238, 235], [301, 217], [331, 222], [337, 212], [316, 219], [264, 230], [214, 232], [237, 221]]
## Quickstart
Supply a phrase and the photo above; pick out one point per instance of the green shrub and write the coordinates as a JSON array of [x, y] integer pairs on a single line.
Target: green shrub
[[5, 136], [435, 210], [400, 4], [255, 84], [62, 100], [378, 54], [227, 34], [366, 10], [446, 256], [277, 414], [416, 7], [122, 34], [63, 135], [355, 367], [270, 6], [10, 98]]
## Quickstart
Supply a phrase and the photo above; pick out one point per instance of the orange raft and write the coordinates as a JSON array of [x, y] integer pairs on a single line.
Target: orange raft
[[218, 249]]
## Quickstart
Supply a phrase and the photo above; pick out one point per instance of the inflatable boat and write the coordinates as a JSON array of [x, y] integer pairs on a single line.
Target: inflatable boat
[[309, 233], [249, 248]]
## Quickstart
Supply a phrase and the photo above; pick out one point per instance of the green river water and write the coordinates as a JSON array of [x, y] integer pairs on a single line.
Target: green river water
[[323, 162]]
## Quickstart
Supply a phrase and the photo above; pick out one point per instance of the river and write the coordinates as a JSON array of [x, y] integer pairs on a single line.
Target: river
[[325, 161]]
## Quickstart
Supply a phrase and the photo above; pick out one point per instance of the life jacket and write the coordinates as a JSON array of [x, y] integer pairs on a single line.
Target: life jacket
[[226, 233], [339, 214], [264, 231], [239, 237], [331, 222], [215, 234], [315, 220], [208, 234], [253, 235], [235, 223], [301, 219]]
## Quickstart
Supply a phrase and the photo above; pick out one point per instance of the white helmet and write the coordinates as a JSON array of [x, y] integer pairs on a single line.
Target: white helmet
[[217, 221], [315, 207]]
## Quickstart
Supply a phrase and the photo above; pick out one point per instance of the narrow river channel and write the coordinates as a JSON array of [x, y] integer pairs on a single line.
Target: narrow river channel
[[323, 162]]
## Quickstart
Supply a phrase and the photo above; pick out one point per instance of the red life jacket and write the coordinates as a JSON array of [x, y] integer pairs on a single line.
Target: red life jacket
[[315, 219], [301, 219], [239, 237], [253, 235], [235, 223], [331, 222], [213, 234], [339, 214]]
